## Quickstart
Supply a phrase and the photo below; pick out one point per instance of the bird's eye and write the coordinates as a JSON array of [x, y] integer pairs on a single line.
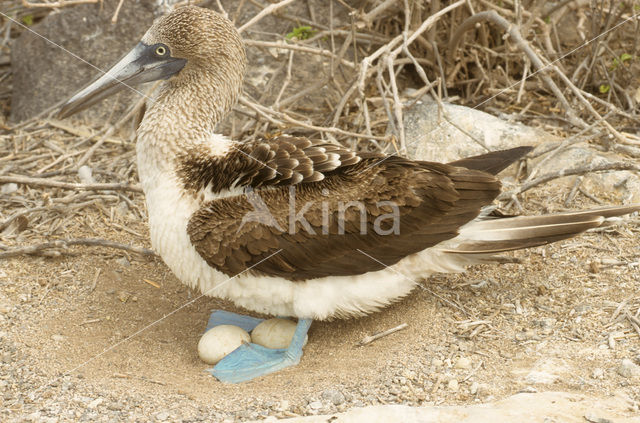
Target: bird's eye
[[161, 50]]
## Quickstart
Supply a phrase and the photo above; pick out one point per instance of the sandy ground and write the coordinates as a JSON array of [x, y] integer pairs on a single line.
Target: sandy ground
[[86, 337]]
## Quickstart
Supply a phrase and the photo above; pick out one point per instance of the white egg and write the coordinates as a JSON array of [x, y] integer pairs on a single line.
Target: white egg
[[274, 333], [220, 341]]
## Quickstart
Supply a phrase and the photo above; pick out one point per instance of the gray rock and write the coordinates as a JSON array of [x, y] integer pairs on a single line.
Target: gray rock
[[430, 136], [45, 74], [628, 369], [626, 184]]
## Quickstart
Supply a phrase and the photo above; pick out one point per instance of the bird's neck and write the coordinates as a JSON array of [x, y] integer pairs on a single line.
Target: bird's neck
[[182, 116], [187, 110]]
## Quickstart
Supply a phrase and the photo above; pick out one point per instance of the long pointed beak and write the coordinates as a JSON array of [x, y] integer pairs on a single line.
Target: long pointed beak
[[138, 66]]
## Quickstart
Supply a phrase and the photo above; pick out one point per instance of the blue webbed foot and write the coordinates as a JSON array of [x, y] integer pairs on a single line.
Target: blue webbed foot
[[251, 360]]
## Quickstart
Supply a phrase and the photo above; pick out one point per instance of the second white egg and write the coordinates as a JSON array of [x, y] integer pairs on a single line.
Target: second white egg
[[274, 333]]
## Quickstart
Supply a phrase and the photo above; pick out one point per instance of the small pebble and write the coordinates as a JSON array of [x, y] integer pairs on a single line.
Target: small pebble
[[594, 418], [220, 341], [452, 385], [547, 324], [334, 396], [597, 373], [527, 335], [57, 338], [473, 389], [628, 369], [95, 403], [162, 416], [274, 333], [463, 363], [122, 261], [115, 406], [315, 405], [123, 296], [540, 377]]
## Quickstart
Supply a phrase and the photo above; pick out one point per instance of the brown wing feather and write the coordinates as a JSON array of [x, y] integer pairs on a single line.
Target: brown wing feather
[[432, 202], [275, 162]]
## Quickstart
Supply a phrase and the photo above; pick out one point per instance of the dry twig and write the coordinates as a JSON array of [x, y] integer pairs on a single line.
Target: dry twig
[[43, 182], [369, 339], [57, 4], [53, 247]]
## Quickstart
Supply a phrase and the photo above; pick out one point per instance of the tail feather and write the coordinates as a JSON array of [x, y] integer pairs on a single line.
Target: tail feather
[[493, 162], [513, 233]]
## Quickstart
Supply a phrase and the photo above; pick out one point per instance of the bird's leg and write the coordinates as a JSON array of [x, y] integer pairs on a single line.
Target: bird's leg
[[249, 361]]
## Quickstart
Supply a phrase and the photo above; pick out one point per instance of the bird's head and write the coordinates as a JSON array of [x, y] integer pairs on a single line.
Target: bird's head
[[188, 45]]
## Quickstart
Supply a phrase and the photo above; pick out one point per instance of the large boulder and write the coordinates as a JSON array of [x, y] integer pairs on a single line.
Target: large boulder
[[44, 73], [457, 131], [624, 185]]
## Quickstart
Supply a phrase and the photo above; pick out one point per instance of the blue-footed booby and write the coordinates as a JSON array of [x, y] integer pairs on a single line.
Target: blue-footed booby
[[290, 226]]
